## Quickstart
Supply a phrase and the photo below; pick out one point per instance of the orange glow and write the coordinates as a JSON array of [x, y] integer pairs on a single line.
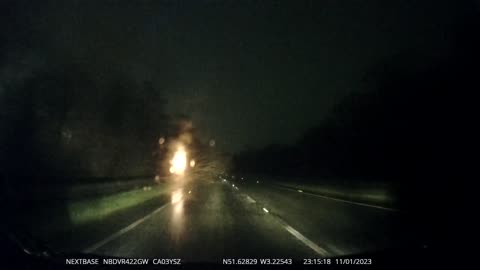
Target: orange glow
[[179, 161]]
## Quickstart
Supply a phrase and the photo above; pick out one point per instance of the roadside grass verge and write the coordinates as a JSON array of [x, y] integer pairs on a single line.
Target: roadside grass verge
[[84, 211], [69, 225]]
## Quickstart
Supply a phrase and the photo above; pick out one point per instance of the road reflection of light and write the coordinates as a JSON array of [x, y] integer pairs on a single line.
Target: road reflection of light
[[178, 208], [177, 196], [177, 219]]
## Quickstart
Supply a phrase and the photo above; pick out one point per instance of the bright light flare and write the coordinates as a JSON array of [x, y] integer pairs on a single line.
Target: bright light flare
[[192, 163], [179, 162]]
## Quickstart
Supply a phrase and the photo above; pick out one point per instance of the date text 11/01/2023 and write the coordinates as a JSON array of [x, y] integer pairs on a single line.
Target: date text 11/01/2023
[[337, 261], [312, 261], [258, 261]]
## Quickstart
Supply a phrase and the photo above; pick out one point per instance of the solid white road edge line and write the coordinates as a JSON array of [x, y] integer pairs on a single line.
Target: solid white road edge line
[[119, 233], [320, 251]]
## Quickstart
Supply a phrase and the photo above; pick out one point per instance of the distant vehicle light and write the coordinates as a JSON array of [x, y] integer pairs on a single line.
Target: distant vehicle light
[[179, 162]]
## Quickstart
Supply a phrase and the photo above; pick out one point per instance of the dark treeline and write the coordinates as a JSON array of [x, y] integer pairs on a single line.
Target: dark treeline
[[61, 123], [61, 127], [412, 126], [410, 119]]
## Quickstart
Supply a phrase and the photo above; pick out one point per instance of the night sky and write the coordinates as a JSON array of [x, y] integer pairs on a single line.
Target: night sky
[[248, 73]]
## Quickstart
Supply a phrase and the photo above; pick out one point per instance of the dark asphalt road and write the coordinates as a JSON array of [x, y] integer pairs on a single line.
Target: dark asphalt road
[[210, 219]]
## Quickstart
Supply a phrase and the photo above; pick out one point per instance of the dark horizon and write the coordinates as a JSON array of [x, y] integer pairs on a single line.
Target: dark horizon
[[247, 74]]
